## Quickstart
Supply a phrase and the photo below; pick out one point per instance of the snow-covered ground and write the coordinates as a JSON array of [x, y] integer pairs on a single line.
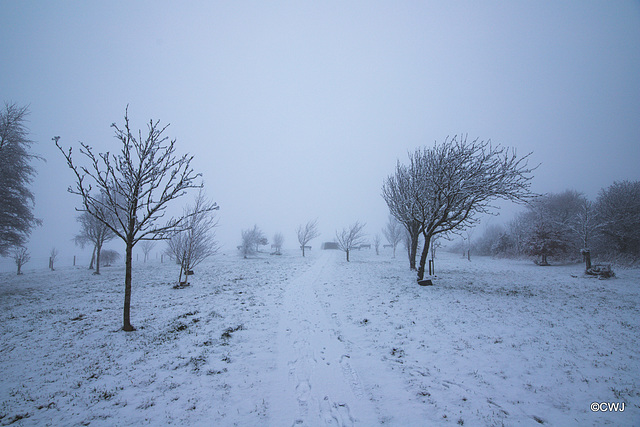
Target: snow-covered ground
[[286, 340]]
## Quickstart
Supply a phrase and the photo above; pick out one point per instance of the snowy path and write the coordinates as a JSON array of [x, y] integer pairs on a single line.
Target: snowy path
[[317, 381]]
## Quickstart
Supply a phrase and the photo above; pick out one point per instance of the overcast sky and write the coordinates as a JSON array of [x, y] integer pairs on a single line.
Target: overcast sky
[[297, 110]]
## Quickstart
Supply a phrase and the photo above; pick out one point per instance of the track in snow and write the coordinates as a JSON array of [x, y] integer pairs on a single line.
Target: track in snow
[[318, 384]]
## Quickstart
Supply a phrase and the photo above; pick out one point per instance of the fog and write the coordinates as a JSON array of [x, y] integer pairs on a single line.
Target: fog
[[299, 110]]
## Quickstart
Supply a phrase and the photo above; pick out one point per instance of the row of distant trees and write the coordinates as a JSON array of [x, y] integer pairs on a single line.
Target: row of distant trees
[[568, 225], [346, 240]]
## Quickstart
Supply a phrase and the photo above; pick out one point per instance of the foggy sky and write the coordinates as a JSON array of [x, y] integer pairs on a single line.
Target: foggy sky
[[299, 110]]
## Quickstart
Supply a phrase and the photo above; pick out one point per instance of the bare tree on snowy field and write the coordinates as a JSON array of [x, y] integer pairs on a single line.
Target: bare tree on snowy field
[[618, 213], [469, 234], [53, 255], [147, 246], [350, 238], [21, 257], [584, 224], [307, 233], [16, 173], [278, 241], [197, 242], [246, 244], [376, 243], [393, 233], [138, 183], [402, 193], [250, 241], [94, 231], [108, 257], [451, 183], [261, 240]]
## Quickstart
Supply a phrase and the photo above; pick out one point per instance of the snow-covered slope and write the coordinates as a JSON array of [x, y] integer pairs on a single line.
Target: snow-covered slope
[[286, 340]]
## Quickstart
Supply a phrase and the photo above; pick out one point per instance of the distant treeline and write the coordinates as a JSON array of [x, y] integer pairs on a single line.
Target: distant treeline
[[566, 224]]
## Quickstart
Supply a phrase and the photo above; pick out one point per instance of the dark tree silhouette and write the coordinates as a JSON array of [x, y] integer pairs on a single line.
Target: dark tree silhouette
[[16, 174], [21, 257], [307, 233], [350, 238], [138, 183]]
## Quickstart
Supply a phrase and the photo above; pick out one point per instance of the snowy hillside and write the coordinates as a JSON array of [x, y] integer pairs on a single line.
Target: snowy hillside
[[317, 341]]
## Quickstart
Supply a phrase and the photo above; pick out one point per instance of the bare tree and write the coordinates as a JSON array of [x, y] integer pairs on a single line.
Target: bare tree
[[618, 212], [469, 233], [261, 240], [307, 233], [247, 244], [584, 225], [195, 244], [53, 255], [350, 238], [147, 246], [278, 241], [402, 193], [376, 243], [94, 231], [108, 257], [451, 183], [21, 257], [138, 183], [393, 233], [250, 241], [16, 174]]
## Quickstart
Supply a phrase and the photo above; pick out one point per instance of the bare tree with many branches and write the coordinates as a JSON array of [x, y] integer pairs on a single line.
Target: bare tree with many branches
[[94, 231], [147, 246], [307, 233], [21, 256], [448, 185], [138, 183], [350, 238], [402, 192], [278, 241], [197, 242], [393, 233], [53, 256], [251, 240]]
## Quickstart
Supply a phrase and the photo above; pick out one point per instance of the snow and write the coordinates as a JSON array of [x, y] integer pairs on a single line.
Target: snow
[[286, 340]]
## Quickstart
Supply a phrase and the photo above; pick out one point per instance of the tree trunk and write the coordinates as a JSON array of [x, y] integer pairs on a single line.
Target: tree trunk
[[19, 269], [347, 251], [127, 288], [587, 259], [93, 258], [302, 250], [413, 251], [97, 253], [423, 257]]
